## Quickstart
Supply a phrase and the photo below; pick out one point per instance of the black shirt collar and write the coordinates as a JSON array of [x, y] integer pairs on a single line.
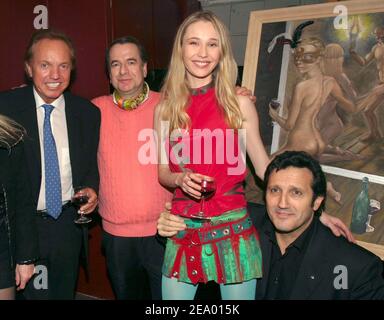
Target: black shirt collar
[[300, 243]]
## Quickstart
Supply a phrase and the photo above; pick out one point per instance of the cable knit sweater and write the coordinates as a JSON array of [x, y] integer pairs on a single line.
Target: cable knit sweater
[[130, 196]]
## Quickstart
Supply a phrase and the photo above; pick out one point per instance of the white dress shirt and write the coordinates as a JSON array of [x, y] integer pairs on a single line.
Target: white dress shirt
[[60, 134]]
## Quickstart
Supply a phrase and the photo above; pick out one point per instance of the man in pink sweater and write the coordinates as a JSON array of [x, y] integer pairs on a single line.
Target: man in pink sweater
[[130, 196]]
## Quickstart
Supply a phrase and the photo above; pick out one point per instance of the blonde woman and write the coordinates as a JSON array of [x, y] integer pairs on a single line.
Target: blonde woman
[[200, 106], [18, 245]]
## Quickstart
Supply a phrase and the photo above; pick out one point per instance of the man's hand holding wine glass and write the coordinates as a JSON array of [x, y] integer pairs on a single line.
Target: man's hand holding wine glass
[[85, 199], [91, 205]]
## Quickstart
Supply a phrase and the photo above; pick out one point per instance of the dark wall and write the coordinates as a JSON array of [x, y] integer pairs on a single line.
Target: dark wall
[[91, 24], [155, 23]]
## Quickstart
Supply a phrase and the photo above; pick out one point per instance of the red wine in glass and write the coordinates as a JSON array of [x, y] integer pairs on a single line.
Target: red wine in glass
[[79, 198], [275, 104], [207, 192], [208, 188]]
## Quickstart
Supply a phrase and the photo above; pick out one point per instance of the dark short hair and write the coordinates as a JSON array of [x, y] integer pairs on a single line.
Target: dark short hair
[[126, 40], [300, 159], [51, 35]]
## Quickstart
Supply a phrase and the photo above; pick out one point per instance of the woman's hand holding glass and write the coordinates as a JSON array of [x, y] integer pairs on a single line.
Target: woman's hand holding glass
[[190, 183], [197, 186]]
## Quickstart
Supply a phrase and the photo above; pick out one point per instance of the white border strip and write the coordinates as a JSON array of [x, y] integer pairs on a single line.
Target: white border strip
[[282, 86], [353, 174]]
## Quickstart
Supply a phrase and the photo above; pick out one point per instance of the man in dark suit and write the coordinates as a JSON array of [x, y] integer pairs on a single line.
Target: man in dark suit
[[63, 134], [302, 259]]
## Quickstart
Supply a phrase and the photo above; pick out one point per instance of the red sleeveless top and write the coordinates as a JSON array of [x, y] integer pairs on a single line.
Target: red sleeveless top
[[210, 148]]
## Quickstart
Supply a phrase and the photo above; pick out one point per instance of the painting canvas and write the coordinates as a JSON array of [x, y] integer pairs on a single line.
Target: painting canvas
[[328, 63]]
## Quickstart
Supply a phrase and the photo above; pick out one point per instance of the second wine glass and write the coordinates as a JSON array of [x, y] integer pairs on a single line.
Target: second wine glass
[[79, 198]]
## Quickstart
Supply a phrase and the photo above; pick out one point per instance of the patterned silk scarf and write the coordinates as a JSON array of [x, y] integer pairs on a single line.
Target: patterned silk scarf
[[131, 104]]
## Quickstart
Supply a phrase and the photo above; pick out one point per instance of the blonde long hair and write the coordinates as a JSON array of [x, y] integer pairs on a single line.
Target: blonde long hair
[[10, 132], [175, 92]]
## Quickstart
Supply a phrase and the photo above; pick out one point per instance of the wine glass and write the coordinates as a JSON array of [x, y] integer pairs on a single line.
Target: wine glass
[[275, 104], [374, 207], [208, 188], [79, 198]]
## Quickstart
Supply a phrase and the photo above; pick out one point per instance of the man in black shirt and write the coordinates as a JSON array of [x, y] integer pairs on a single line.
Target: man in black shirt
[[302, 259], [283, 269]]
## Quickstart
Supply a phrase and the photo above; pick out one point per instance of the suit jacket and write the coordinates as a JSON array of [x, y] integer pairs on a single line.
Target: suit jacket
[[83, 125], [317, 273]]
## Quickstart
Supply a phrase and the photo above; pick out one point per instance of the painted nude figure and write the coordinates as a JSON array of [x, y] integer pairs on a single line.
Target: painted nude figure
[[308, 98], [332, 116], [375, 98]]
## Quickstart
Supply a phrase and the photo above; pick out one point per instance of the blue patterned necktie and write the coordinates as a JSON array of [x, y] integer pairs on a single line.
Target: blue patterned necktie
[[52, 171]]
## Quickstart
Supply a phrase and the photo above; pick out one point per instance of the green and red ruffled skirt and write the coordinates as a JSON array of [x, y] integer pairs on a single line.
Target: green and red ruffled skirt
[[225, 249]]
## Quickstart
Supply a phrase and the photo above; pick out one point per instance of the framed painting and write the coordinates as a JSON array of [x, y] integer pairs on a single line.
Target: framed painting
[[318, 74]]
